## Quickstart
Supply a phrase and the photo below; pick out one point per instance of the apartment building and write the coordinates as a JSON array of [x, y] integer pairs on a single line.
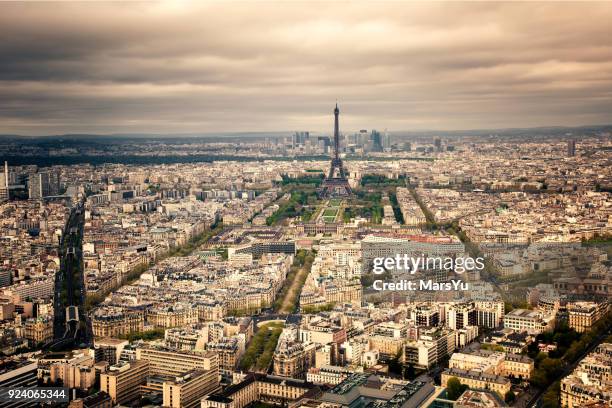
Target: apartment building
[[583, 315], [37, 288], [322, 332], [426, 315], [75, 372], [388, 346], [491, 362], [228, 351], [478, 380], [175, 315], [258, 387], [293, 359], [466, 335], [591, 380], [518, 366], [442, 337], [116, 322], [108, 349], [331, 375], [433, 345], [460, 315], [38, 330], [533, 322], [420, 354], [489, 313], [483, 360]]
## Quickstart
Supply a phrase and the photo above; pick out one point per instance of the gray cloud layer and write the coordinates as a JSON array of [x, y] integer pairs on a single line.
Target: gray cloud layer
[[256, 66]]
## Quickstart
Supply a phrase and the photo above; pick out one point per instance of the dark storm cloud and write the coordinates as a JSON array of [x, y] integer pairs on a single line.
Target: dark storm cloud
[[190, 67]]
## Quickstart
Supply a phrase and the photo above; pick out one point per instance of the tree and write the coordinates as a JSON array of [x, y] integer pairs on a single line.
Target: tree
[[509, 397], [410, 373], [552, 367], [551, 397], [454, 388], [395, 365]]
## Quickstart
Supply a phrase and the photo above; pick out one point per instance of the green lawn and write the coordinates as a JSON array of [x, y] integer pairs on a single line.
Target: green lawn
[[330, 212]]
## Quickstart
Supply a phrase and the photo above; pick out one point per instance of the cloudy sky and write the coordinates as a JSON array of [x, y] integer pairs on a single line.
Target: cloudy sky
[[174, 67]]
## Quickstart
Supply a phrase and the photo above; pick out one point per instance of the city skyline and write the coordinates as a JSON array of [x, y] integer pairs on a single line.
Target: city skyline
[[181, 67], [306, 205]]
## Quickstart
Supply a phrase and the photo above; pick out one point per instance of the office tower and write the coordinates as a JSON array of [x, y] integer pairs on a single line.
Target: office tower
[[362, 138], [325, 140], [571, 148], [54, 183], [4, 183], [438, 144], [43, 184], [346, 141], [376, 140], [386, 141], [36, 184], [300, 138]]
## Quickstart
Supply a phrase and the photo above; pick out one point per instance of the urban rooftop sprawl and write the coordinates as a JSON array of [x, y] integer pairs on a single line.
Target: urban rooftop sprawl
[[219, 272]]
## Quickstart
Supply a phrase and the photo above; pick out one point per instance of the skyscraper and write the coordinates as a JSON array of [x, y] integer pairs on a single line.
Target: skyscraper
[[335, 184], [376, 139], [438, 144], [386, 141], [299, 138], [43, 184], [571, 147], [37, 185], [4, 183]]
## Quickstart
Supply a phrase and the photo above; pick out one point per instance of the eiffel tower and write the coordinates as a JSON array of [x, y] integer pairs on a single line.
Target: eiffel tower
[[336, 183]]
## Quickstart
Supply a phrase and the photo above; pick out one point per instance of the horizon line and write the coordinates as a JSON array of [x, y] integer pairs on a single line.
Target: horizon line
[[260, 132]]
